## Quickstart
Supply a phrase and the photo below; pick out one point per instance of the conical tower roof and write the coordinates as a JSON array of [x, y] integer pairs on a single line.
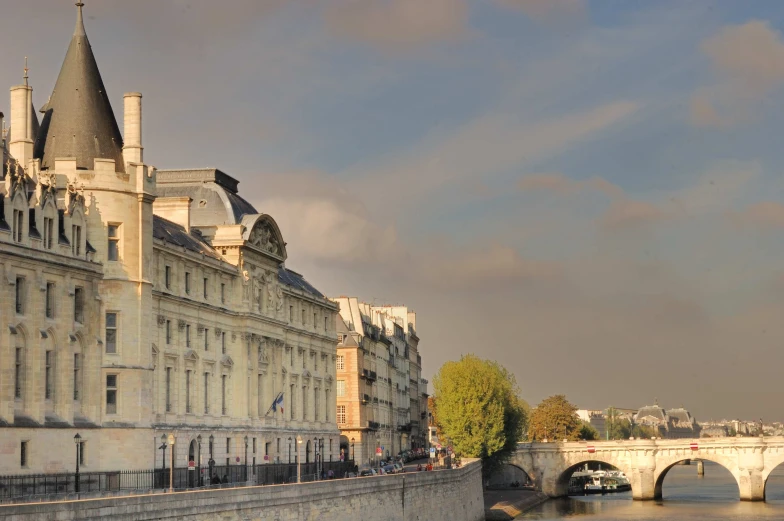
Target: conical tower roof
[[78, 120]]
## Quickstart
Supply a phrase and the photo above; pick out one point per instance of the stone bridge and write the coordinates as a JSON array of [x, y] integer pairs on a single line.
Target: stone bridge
[[646, 462]]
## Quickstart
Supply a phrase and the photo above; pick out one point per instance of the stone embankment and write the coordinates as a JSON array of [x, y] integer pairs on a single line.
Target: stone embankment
[[446, 495], [506, 504]]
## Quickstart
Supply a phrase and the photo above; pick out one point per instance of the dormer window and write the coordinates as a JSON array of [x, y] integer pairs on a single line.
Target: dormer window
[[48, 232], [76, 240], [18, 223]]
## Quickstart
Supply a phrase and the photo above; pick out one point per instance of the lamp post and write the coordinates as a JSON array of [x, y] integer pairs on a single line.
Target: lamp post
[[378, 453], [77, 440], [171, 462], [211, 462], [352, 449], [163, 460], [246, 458], [289, 450], [198, 442], [315, 456], [299, 458]]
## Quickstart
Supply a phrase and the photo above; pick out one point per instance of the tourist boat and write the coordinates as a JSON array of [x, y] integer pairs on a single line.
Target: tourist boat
[[598, 482]]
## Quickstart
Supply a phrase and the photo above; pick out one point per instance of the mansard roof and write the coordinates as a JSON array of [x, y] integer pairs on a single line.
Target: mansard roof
[[78, 120], [173, 233], [297, 281]]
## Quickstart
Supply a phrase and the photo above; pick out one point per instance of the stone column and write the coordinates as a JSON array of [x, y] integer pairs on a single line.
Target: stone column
[[750, 465]]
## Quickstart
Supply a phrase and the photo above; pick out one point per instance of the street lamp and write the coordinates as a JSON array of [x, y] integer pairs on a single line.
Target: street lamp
[[378, 452], [77, 440], [246, 458], [299, 458], [315, 456], [289, 450], [171, 462], [352, 449], [198, 442], [163, 460]]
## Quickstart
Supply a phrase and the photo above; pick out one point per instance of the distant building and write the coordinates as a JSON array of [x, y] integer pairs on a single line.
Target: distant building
[[672, 424], [596, 419]]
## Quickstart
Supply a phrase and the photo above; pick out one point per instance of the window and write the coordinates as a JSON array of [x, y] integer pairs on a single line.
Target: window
[[187, 335], [254, 445], [340, 363], [303, 317], [187, 283], [206, 339], [168, 389], [23, 454], [207, 393], [61, 227], [167, 277], [341, 414], [293, 402], [291, 313], [49, 375], [77, 368], [18, 372], [111, 333], [340, 338], [111, 394], [304, 402], [50, 297], [223, 293], [188, 392], [326, 414], [205, 288], [341, 388], [325, 323], [48, 232], [316, 404], [18, 222], [79, 305], [168, 332], [223, 394], [76, 240], [113, 245], [20, 295], [315, 324], [223, 342], [228, 445]]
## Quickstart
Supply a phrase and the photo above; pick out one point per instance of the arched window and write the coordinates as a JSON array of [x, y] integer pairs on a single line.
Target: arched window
[[49, 224], [78, 234], [18, 211]]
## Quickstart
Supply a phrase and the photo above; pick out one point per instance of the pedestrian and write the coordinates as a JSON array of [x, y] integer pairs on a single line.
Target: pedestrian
[[215, 480], [225, 479]]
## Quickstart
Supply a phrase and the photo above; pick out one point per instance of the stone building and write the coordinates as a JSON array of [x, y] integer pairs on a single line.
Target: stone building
[[375, 409], [137, 303], [672, 424]]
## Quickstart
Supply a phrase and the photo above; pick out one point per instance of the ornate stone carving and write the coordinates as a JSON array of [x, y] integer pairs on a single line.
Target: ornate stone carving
[[161, 320], [180, 324], [263, 237]]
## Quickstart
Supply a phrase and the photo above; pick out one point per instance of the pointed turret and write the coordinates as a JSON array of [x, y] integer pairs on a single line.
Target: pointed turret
[[79, 121]]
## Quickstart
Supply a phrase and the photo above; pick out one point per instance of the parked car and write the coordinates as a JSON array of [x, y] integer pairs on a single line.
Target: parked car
[[388, 469], [399, 468], [363, 473]]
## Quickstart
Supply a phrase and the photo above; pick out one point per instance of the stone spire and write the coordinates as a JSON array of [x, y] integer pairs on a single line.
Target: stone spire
[[79, 121]]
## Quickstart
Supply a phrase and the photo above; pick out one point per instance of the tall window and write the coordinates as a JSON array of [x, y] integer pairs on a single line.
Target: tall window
[[316, 404], [49, 375], [303, 317], [167, 277], [341, 388], [187, 283], [223, 342], [206, 339], [77, 369], [23, 454], [168, 332], [20, 295], [187, 335], [260, 393], [188, 391], [18, 223], [304, 402], [291, 313], [48, 232], [326, 415], [113, 245], [50, 298], [223, 293], [168, 389], [111, 332], [341, 414], [79, 305], [76, 240], [19, 372], [315, 323], [111, 394], [82, 452], [340, 363], [206, 393], [292, 401], [325, 323], [223, 394], [205, 288]]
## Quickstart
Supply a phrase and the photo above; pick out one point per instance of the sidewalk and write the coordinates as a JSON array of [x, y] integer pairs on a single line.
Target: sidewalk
[[503, 505]]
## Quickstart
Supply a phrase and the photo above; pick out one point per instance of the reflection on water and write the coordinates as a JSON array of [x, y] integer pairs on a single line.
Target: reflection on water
[[687, 497]]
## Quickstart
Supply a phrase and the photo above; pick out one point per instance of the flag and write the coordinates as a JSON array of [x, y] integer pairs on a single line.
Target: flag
[[277, 402]]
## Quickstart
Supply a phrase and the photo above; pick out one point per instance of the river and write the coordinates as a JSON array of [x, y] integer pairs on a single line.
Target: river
[[687, 497]]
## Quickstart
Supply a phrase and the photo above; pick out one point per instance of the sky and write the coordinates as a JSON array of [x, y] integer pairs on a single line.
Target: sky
[[586, 191]]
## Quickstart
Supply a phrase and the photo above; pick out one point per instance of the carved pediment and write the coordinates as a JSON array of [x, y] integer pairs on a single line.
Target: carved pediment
[[328, 378], [306, 373], [191, 355], [226, 361], [154, 350]]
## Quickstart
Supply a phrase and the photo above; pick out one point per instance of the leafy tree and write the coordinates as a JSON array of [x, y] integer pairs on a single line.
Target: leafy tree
[[587, 432], [477, 406], [617, 428], [555, 418], [644, 431]]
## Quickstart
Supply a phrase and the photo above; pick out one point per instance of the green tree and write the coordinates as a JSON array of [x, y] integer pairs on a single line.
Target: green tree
[[587, 432], [478, 408], [555, 418], [644, 431]]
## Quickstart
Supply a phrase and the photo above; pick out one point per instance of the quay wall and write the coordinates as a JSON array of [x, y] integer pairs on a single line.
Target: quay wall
[[446, 495]]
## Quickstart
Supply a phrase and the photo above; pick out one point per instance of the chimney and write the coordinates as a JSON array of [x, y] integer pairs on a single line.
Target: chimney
[[21, 138], [132, 122], [175, 209]]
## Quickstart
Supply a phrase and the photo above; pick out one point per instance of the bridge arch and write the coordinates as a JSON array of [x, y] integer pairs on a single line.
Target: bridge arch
[[773, 460], [666, 462], [507, 474], [558, 484]]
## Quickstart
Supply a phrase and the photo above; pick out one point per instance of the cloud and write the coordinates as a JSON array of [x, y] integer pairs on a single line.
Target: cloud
[[548, 9], [762, 215], [748, 61], [631, 214], [398, 24], [560, 184]]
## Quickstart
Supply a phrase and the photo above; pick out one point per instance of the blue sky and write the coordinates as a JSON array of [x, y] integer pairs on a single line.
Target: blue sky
[[579, 189]]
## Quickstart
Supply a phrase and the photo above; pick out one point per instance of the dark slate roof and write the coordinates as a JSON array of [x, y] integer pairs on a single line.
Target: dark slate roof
[[78, 120], [652, 410], [295, 280], [173, 233], [681, 415]]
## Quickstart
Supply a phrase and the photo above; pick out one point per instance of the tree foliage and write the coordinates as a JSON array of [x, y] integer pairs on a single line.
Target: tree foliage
[[478, 409], [555, 418], [588, 432]]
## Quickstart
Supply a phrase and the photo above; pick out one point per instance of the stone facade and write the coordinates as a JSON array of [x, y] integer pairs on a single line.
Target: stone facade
[[447, 495], [137, 303]]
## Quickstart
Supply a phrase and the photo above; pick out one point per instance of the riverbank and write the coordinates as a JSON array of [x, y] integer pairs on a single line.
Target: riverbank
[[503, 505]]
